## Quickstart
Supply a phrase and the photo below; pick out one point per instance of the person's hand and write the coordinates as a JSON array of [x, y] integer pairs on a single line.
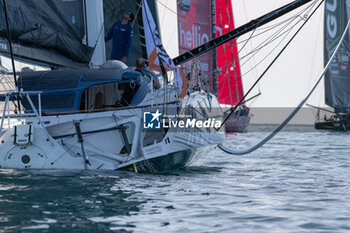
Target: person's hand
[[156, 85], [123, 59]]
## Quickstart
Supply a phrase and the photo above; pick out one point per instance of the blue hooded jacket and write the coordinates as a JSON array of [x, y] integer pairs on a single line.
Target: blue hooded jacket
[[122, 35]]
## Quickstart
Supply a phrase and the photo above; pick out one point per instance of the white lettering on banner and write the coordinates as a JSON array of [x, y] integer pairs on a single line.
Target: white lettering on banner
[[3, 46], [193, 38], [332, 23]]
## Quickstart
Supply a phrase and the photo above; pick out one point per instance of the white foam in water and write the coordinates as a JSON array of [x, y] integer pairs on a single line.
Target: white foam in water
[[46, 220], [38, 227]]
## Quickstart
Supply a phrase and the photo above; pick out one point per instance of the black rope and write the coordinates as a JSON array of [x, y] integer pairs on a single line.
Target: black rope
[[11, 51]]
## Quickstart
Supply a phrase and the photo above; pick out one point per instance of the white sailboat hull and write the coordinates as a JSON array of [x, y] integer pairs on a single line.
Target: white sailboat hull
[[54, 143]]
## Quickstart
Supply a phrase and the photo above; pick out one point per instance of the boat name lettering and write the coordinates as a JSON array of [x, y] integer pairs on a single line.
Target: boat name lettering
[[153, 150]]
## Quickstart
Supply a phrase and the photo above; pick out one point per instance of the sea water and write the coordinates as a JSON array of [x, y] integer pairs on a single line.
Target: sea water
[[298, 182]]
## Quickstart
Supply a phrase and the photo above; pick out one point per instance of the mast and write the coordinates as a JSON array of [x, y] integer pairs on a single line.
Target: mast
[[214, 63], [238, 32]]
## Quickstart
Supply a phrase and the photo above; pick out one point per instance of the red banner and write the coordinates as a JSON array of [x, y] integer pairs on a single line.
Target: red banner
[[194, 23], [230, 89]]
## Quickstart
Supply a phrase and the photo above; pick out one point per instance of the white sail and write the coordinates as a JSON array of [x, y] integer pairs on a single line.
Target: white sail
[[156, 53]]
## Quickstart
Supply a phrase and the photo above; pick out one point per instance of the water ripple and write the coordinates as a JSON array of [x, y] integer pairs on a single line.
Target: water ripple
[[299, 182]]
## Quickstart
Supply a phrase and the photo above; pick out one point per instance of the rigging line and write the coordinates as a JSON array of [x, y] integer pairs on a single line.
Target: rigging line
[[264, 42], [246, 40], [244, 74], [69, 149], [295, 111], [139, 6], [288, 19], [272, 39], [98, 37], [224, 67], [262, 60], [191, 21], [11, 51], [251, 45], [5, 79], [252, 36], [287, 31], [323, 109], [267, 54], [314, 52], [163, 17], [171, 38], [171, 10], [258, 49], [253, 32], [292, 18], [268, 41], [261, 33], [268, 68]]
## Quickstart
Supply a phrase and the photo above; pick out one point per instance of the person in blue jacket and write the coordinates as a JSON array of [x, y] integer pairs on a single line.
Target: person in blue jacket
[[122, 34]]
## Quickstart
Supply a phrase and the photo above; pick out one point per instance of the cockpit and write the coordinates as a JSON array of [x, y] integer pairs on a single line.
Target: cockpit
[[85, 90]]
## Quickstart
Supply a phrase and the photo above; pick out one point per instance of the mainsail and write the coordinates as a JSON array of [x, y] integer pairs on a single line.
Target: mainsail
[[230, 89], [337, 78], [195, 29], [48, 31]]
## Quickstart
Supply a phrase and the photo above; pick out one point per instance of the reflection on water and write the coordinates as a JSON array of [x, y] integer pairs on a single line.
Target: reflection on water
[[298, 182], [59, 199]]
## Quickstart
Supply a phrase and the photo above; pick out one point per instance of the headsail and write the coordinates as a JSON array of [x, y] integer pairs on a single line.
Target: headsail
[[48, 31], [157, 56], [230, 89], [337, 79]]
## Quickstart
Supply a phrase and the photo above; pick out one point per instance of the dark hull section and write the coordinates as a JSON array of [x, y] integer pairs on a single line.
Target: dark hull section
[[237, 124], [333, 125], [168, 162], [238, 121], [336, 122]]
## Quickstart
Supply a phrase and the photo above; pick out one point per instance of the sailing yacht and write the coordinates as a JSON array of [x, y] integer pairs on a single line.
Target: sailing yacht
[[337, 78], [86, 115], [85, 118], [217, 71]]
